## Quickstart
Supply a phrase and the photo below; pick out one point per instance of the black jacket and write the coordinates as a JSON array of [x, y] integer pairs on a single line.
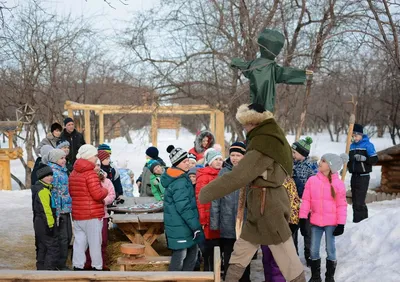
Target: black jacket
[[115, 179], [75, 140]]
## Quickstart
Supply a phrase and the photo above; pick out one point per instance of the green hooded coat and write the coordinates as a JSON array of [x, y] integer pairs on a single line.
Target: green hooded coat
[[264, 72]]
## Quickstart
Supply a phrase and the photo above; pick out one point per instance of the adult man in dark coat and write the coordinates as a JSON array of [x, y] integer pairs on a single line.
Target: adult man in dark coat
[[74, 138], [267, 163]]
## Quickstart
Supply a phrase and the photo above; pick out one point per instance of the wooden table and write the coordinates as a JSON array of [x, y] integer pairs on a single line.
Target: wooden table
[[127, 206], [141, 229]]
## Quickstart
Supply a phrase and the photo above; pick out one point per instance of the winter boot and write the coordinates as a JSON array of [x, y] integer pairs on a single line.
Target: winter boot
[[78, 269], [234, 273], [315, 271], [330, 270]]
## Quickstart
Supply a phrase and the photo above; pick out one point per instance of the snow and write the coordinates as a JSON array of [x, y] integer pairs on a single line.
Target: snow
[[367, 251]]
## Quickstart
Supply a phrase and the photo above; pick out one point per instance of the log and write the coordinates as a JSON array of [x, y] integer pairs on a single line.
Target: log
[[143, 260], [132, 249], [388, 168], [89, 276]]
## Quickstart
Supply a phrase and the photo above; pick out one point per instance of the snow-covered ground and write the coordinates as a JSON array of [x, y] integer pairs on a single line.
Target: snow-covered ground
[[135, 153], [367, 251]]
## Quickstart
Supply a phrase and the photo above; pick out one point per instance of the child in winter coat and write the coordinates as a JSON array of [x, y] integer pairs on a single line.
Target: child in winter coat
[[181, 218], [325, 197], [111, 172], [362, 158], [214, 162], [303, 169], [63, 203], [224, 211], [44, 220], [156, 188], [105, 183], [127, 177], [64, 145], [192, 176]]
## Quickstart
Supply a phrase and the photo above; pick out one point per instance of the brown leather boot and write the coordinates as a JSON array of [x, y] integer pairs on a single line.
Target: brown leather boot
[[234, 273]]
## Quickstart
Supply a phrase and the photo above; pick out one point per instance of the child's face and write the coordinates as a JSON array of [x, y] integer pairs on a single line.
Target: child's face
[[204, 142], [61, 162], [357, 138], [57, 133], [323, 166], [192, 163], [158, 170], [97, 167], [48, 179], [297, 156], [193, 178], [235, 158], [66, 150], [217, 163], [106, 162]]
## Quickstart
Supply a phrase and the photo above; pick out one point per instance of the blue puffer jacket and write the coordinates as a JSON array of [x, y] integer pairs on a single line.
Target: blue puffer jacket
[[60, 192], [302, 171], [181, 218], [224, 211], [364, 148]]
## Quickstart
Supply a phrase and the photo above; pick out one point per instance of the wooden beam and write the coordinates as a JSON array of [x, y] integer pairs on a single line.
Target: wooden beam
[[220, 129], [101, 127], [74, 276], [168, 111], [87, 127], [154, 129], [217, 264], [212, 122]]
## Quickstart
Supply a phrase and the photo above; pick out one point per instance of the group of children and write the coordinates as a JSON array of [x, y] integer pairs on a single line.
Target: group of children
[[83, 192], [191, 228]]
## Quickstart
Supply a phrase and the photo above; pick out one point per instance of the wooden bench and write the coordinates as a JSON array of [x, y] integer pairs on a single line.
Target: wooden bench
[[130, 276]]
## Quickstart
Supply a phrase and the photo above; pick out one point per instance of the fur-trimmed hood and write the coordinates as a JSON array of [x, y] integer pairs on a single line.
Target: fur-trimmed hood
[[199, 138], [248, 116]]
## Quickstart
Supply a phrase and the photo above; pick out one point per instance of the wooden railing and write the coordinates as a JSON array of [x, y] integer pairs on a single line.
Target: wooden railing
[[131, 276]]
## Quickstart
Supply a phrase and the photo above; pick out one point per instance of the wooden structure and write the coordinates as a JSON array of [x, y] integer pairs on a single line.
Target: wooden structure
[[217, 119], [134, 255], [8, 154], [389, 159], [129, 276], [171, 122], [142, 229]]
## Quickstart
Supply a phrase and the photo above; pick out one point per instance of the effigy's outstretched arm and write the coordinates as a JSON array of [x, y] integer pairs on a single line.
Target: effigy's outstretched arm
[[290, 75], [242, 65]]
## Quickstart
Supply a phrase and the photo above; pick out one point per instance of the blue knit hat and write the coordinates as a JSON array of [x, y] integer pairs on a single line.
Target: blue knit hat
[[104, 147], [63, 144]]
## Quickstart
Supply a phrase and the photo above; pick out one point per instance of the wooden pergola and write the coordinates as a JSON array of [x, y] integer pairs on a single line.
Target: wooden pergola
[[217, 118]]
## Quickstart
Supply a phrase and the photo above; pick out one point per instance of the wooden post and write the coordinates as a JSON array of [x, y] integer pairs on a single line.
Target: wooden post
[[87, 127], [217, 264], [10, 139], [212, 122], [154, 128], [5, 178], [101, 127], [220, 129]]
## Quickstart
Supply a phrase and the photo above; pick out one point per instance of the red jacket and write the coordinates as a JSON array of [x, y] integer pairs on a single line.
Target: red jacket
[[204, 176], [86, 192], [199, 156]]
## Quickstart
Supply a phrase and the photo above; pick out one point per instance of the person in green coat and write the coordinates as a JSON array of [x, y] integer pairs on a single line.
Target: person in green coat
[[264, 72], [181, 218], [156, 171], [267, 163]]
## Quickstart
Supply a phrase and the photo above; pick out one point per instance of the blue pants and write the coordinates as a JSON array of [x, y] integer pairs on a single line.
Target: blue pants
[[316, 235]]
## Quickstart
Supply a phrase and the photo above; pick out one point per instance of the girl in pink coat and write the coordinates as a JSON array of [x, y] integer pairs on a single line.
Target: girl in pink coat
[[325, 198]]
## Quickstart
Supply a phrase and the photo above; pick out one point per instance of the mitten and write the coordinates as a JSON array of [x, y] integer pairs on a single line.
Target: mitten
[[338, 230], [303, 226]]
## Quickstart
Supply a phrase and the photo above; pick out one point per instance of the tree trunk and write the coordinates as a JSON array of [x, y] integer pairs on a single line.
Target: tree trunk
[[19, 182]]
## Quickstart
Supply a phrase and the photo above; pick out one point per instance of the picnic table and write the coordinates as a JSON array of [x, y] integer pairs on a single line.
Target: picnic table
[[138, 205], [141, 228]]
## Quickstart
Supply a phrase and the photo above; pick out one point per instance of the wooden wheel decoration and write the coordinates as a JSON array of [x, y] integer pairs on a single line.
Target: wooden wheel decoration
[[25, 114]]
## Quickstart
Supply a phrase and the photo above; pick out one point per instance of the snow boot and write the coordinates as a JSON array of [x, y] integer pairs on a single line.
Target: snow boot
[[315, 271], [330, 270], [234, 273]]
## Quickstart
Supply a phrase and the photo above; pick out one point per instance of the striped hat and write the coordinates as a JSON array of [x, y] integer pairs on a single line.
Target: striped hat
[[176, 155]]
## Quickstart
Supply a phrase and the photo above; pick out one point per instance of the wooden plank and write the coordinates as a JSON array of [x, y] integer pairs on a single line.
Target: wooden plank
[[154, 129], [8, 125], [101, 127], [87, 127], [143, 260], [217, 264], [151, 217], [212, 122], [76, 276], [220, 130], [125, 218]]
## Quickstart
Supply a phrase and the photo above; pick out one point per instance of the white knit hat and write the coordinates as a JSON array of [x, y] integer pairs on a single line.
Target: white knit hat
[[86, 152], [44, 153], [211, 155], [55, 155]]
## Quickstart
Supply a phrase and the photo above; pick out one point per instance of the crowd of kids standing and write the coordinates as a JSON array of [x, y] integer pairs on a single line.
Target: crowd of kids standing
[[200, 191]]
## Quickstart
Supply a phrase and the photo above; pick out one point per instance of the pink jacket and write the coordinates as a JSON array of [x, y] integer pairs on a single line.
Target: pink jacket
[[106, 183], [317, 199]]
